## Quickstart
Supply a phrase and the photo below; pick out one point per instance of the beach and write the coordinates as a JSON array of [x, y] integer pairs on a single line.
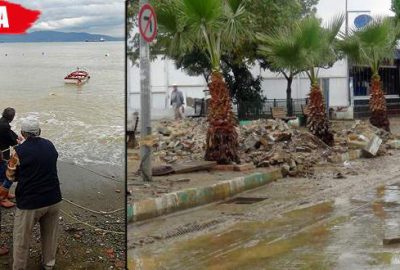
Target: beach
[[80, 246]]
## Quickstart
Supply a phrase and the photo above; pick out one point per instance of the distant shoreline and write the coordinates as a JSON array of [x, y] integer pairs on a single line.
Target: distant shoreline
[[56, 36], [21, 42]]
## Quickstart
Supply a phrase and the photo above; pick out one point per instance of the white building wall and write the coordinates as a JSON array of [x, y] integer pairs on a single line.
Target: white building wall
[[164, 74], [274, 85]]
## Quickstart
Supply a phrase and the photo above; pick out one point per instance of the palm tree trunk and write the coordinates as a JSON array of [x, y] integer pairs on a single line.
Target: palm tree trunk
[[318, 122], [289, 104], [377, 105], [222, 138]]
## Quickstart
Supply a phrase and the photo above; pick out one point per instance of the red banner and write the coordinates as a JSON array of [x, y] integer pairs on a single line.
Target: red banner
[[15, 19]]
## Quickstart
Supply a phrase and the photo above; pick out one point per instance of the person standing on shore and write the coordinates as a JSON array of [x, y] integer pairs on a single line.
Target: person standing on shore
[[38, 195], [177, 102], [5, 184], [7, 136]]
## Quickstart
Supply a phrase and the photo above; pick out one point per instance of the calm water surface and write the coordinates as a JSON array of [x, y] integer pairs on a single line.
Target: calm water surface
[[86, 122]]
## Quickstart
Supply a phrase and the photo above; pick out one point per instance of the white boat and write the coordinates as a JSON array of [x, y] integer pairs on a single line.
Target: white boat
[[78, 76]]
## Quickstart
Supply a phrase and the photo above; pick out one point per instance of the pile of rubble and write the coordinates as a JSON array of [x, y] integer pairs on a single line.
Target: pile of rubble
[[363, 135], [267, 143], [178, 141]]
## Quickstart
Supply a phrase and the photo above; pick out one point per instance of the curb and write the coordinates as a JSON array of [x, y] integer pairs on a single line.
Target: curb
[[193, 197]]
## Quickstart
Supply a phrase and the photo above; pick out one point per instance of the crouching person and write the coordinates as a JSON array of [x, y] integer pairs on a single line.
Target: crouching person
[[33, 165]]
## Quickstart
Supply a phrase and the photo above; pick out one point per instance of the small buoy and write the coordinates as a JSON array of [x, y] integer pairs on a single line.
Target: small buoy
[[6, 54], [42, 53], [107, 54]]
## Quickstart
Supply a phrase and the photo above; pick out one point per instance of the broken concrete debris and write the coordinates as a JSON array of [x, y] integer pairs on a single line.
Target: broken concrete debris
[[267, 142]]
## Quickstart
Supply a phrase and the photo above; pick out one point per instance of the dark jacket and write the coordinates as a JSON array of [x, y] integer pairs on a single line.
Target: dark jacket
[[38, 184], [7, 137]]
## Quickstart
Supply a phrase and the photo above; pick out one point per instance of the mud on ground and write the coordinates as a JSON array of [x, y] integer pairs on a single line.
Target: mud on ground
[[289, 198]]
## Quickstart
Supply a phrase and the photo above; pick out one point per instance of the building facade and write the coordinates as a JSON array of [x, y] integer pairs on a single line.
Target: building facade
[[346, 90]]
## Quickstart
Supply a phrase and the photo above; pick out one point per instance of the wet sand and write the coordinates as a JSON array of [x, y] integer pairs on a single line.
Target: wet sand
[[99, 188]]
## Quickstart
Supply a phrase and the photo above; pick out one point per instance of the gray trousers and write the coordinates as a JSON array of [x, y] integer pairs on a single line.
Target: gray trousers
[[48, 218], [178, 112]]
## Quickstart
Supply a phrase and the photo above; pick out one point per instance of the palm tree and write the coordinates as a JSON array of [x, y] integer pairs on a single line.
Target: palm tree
[[306, 47], [210, 25], [370, 46], [281, 50]]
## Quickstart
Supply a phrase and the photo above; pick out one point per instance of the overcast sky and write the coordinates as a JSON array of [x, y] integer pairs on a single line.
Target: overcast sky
[[329, 8], [91, 16]]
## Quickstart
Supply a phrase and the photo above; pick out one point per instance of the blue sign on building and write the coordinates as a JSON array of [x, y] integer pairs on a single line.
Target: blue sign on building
[[362, 20]]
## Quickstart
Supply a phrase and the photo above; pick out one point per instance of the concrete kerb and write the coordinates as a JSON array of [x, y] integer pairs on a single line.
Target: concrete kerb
[[193, 197]]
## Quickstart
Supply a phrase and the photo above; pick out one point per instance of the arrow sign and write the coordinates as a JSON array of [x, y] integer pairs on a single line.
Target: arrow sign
[[147, 23]]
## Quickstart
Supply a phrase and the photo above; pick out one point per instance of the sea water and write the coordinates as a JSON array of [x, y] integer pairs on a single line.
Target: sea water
[[86, 123]]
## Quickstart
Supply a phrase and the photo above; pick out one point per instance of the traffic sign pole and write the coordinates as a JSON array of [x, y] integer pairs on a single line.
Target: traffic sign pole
[[145, 105]]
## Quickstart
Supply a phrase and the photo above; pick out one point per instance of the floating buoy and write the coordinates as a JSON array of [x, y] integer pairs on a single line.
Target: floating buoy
[[6, 54], [107, 54], [42, 53]]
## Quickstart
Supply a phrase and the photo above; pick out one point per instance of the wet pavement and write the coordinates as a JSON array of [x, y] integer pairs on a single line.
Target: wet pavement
[[357, 232]]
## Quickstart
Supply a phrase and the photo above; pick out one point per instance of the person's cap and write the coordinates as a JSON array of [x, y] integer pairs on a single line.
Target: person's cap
[[30, 125]]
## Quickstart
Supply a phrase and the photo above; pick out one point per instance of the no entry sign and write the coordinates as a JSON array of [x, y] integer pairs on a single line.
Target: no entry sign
[[147, 23]]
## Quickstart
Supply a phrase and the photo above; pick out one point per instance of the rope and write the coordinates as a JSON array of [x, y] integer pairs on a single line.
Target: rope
[[90, 225], [9, 149], [99, 174], [93, 211]]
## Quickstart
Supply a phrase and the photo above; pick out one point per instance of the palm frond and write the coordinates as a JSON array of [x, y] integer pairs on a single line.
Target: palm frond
[[373, 43], [376, 33], [202, 13], [174, 34], [282, 50], [234, 5], [333, 27], [309, 33], [236, 21], [351, 47]]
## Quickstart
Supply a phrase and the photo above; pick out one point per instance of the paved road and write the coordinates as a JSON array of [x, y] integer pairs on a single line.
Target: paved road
[[315, 223]]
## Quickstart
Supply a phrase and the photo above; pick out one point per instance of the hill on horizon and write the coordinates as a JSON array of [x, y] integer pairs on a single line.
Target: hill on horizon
[[56, 36]]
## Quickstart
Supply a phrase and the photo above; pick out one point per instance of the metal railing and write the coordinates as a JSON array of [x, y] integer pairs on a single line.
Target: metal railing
[[253, 112]]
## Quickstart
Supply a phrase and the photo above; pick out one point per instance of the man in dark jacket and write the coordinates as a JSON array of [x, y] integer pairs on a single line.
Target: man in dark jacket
[[7, 136], [34, 165]]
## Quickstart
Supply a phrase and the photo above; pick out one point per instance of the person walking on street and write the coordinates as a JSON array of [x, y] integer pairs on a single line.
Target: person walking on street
[[38, 195], [177, 102], [7, 136]]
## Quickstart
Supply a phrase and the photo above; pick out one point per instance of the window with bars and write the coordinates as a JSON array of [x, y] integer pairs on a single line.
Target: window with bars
[[362, 80]]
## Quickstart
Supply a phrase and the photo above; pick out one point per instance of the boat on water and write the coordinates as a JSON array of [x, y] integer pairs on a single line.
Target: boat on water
[[79, 76]]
